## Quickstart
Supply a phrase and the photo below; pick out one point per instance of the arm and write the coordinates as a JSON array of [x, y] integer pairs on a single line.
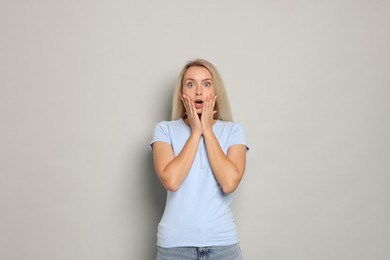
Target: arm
[[173, 170], [228, 169]]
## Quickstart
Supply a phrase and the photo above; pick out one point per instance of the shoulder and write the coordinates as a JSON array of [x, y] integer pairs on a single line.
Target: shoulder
[[162, 124], [234, 130], [230, 126], [167, 125], [165, 130]]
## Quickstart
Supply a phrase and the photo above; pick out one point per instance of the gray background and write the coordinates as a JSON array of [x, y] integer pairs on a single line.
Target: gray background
[[84, 82]]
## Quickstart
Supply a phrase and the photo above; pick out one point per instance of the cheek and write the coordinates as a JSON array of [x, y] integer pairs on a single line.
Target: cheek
[[209, 92], [187, 91]]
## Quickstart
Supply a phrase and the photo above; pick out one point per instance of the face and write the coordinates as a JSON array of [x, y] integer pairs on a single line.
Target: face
[[197, 85]]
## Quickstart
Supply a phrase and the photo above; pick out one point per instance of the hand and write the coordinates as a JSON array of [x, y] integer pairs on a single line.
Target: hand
[[193, 117], [208, 112]]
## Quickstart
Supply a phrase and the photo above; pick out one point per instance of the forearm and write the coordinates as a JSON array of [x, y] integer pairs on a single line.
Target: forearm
[[177, 170], [225, 171]]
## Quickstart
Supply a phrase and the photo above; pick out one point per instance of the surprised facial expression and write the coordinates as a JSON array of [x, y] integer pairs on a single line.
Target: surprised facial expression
[[197, 85]]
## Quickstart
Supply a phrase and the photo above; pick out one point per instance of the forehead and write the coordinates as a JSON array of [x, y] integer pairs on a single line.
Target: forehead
[[197, 72]]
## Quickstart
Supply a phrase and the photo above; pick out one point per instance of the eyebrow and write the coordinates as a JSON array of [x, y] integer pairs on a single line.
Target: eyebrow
[[195, 80]]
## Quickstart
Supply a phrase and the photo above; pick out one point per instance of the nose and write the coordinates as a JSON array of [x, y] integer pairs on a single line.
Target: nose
[[198, 91]]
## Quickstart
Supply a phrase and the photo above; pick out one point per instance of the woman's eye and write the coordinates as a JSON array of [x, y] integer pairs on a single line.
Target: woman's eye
[[207, 84], [191, 84]]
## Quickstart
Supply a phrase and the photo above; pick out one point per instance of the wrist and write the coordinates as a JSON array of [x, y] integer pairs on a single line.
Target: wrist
[[208, 132], [196, 133]]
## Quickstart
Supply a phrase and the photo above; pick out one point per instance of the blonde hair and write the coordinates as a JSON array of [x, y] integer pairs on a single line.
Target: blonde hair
[[222, 105]]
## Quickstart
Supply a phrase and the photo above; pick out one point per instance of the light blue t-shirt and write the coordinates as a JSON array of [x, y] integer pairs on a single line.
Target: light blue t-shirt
[[198, 214]]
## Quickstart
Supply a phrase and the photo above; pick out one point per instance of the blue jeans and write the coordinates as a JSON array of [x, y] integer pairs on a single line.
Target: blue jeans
[[232, 252]]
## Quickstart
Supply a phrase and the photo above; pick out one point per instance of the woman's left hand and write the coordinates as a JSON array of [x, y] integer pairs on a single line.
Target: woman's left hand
[[207, 118]]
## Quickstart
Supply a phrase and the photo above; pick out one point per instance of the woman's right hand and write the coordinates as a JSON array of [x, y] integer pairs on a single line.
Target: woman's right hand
[[192, 116]]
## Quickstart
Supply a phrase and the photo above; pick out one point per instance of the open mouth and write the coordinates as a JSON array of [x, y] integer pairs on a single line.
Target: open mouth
[[198, 104]]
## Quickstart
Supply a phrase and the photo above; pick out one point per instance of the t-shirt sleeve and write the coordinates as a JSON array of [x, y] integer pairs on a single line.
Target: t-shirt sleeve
[[160, 134], [238, 136]]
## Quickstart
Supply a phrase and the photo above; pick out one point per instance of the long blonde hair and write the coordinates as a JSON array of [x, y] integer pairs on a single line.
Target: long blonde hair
[[222, 105]]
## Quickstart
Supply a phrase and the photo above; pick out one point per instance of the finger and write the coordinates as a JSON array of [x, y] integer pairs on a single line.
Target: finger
[[190, 104], [214, 103], [209, 108], [186, 104], [187, 101], [183, 100], [211, 103], [190, 107]]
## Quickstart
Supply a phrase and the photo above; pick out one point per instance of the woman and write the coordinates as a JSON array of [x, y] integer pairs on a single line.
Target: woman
[[200, 158]]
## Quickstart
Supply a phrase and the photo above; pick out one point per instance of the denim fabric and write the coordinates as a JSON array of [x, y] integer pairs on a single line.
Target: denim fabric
[[232, 252]]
